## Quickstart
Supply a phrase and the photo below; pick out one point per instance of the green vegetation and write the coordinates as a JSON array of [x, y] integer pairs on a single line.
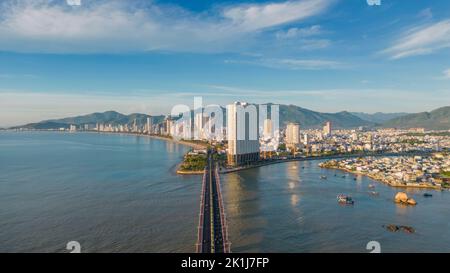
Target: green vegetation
[[194, 163], [438, 119], [445, 174], [220, 157]]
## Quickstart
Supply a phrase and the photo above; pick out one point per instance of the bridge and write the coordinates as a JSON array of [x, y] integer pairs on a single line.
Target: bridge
[[212, 229]]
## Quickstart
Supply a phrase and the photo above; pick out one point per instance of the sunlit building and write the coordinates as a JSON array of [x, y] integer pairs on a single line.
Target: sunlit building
[[242, 133]]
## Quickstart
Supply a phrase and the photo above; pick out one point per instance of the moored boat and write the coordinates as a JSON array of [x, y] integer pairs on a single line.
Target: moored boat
[[344, 199]]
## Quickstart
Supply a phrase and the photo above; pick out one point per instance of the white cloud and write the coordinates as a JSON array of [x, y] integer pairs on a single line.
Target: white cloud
[[292, 64], [446, 73], [254, 17], [298, 32], [116, 26], [421, 40]]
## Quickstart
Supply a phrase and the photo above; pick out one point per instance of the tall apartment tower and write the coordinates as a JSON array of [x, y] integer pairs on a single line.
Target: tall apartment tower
[[168, 124], [149, 125], [292, 134], [242, 133], [327, 129], [292, 139], [267, 128]]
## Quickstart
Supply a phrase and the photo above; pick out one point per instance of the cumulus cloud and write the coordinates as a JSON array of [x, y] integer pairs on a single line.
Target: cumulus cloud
[[298, 32], [421, 40], [117, 26]]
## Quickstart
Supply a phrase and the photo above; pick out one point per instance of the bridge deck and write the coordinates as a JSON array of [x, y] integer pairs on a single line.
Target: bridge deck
[[212, 229]]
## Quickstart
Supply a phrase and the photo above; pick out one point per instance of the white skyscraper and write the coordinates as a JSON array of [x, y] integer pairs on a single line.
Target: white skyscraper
[[243, 133], [327, 129], [292, 134], [149, 125], [267, 130], [198, 126]]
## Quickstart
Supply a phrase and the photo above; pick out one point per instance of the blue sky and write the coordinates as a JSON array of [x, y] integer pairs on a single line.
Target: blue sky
[[146, 56]]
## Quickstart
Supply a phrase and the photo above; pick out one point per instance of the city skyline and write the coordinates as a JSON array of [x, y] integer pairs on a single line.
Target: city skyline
[[327, 56]]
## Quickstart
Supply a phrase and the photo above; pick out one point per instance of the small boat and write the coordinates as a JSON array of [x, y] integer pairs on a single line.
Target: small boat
[[323, 177], [374, 193], [344, 199], [343, 176], [371, 186], [354, 178], [427, 195]]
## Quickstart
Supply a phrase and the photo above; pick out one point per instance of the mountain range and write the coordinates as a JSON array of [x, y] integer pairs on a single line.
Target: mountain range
[[109, 117], [435, 120], [438, 119], [378, 117]]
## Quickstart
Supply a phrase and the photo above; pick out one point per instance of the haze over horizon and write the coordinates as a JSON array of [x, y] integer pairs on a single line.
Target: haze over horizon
[[58, 60]]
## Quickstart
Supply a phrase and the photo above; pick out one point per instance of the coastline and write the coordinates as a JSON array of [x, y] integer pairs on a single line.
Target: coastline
[[396, 185], [314, 158], [197, 146]]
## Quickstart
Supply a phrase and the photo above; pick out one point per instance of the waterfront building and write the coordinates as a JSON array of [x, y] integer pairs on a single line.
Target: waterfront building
[[168, 126], [267, 128], [149, 125], [292, 135], [72, 128], [242, 133]]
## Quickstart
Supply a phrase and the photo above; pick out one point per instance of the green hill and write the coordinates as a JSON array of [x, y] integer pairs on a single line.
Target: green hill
[[438, 119], [109, 117], [311, 119]]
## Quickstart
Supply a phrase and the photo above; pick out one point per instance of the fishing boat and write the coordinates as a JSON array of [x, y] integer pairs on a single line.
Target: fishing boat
[[344, 199]]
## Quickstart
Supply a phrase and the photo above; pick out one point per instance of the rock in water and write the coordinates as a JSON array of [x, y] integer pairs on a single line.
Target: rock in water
[[402, 198]]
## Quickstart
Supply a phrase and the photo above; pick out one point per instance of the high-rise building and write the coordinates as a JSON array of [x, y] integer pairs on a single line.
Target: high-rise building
[[267, 130], [242, 133], [199, 132], [149, 125], [168, 125], [135, 128], [292, 135], [327, 129]]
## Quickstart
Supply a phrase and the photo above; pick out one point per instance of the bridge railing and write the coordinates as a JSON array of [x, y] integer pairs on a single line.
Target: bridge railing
[[226, 242], [199, 244]]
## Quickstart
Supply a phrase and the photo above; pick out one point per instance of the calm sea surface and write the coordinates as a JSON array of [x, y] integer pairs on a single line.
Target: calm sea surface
[[120, 193]]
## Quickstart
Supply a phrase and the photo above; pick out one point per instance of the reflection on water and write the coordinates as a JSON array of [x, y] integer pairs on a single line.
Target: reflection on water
[[244, 205], [289, 208], [118, 193], [112, 193]]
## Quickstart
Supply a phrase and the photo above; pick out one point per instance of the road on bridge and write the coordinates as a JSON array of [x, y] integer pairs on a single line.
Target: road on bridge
[[212, 231]]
